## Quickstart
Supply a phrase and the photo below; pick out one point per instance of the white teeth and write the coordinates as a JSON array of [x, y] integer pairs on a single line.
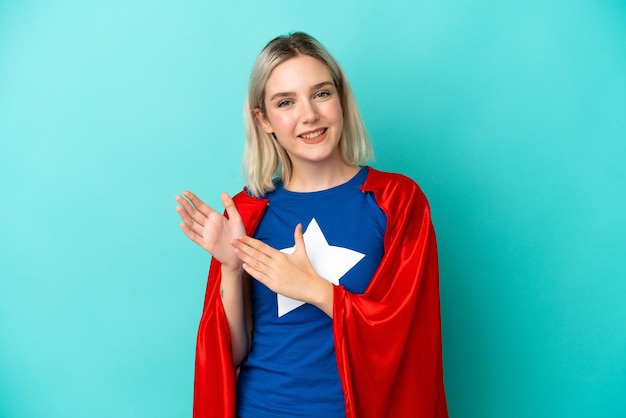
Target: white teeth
[[313, 134]]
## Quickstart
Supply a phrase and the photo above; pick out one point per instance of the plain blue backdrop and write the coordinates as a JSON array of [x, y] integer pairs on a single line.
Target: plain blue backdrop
[[510, 115]]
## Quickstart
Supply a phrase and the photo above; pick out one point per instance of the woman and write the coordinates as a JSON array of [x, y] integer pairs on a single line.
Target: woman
[[323, 294]]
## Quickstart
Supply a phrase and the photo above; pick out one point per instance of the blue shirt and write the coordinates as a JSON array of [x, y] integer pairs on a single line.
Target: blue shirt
[[291, 370]]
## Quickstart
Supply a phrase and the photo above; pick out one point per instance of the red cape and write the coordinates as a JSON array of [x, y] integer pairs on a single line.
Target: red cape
[[387, 340]]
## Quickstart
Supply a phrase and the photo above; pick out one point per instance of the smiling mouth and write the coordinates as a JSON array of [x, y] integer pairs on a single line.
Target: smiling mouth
[[313, 135]]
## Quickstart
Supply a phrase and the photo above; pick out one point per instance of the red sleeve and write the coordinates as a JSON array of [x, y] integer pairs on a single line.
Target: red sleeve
[[215, 379], [388, 340]]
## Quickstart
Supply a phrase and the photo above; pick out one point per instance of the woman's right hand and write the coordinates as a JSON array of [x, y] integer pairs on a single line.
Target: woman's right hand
[[210, 229]]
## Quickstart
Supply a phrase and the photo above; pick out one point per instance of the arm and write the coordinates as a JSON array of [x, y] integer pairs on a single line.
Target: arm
[[213, 232], [231, 292]]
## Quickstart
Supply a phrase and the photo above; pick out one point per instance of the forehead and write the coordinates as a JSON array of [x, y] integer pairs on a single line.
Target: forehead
[[298, 73]]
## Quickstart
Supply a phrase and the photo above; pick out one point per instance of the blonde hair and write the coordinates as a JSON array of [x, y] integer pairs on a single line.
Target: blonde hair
[[265, 160]]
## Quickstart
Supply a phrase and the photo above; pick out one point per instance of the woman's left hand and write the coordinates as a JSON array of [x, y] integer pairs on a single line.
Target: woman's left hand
[[290, 275]]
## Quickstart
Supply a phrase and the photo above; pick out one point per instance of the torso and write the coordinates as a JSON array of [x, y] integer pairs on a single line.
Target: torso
[[291, 369]]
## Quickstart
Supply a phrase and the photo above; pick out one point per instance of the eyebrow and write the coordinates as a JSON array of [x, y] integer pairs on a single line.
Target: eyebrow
[[291, 93]]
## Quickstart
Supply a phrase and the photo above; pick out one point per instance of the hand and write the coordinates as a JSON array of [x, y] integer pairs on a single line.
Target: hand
[[210, 229], [290, 275]]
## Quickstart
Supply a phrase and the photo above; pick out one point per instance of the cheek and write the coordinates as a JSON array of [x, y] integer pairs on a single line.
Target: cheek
[[334, 110], [337, 114], [282, 122]]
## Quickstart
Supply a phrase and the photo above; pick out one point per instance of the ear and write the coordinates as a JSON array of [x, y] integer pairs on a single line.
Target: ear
[[265, 124]]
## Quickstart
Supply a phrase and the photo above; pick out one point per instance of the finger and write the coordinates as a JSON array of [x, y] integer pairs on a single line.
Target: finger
[[202, 207], [184, 203], [255, 244], [257, 274], [231, 209], [184, 214], [251, 255], [258, 250], [191, 211], [298, 239], [196, 224], [191, 234]]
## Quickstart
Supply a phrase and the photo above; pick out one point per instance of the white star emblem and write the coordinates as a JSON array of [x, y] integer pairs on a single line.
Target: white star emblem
[[328, 261]]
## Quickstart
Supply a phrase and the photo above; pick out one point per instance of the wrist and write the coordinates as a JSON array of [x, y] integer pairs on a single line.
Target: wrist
[[323, 296], [231, 271]]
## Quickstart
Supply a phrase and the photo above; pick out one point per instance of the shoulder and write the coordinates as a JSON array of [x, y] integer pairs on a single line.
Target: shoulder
[[392, 185], [243, 196], [248, 204], [402, 200]]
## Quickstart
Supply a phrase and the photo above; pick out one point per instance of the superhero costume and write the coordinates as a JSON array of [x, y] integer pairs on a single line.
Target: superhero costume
[[387, 340]]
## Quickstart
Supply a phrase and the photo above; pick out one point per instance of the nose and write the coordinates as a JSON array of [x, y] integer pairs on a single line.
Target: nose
[[309, 112]]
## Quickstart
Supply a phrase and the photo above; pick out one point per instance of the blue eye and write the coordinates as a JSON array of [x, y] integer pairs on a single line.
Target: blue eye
[[284, 103], [323, 94]]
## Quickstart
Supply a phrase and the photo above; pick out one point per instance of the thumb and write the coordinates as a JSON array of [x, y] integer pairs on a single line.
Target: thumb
[[229, 205], [298, 238]]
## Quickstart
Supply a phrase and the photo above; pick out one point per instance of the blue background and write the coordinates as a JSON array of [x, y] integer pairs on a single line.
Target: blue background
[[510, 115]]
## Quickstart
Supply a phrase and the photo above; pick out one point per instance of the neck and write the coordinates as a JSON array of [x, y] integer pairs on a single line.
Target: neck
[[313, 178]]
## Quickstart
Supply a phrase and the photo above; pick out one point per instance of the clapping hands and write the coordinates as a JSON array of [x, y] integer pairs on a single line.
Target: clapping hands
[[210, 229]]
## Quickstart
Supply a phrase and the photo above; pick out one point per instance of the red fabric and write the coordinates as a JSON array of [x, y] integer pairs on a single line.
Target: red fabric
[[387, 340]]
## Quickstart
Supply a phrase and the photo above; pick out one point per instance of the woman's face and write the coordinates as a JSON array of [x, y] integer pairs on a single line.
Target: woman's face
[[303, 111]]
